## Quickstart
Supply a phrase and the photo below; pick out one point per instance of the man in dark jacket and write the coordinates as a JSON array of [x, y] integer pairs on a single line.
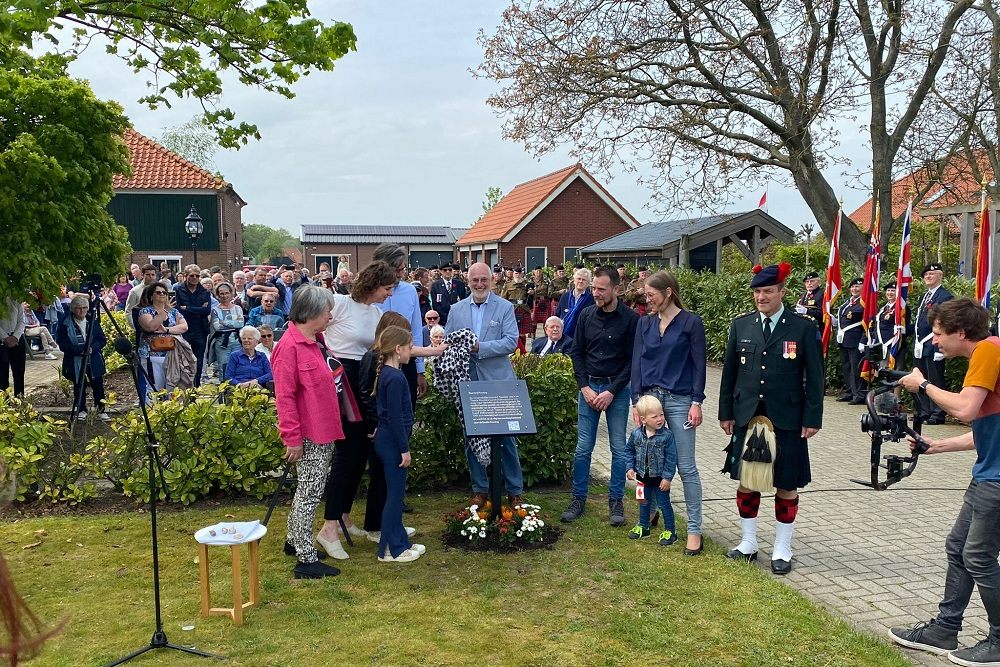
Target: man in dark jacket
[[850, 334], [773, 369], [195, 303], [926, 356], [553, 341], [447, 291]]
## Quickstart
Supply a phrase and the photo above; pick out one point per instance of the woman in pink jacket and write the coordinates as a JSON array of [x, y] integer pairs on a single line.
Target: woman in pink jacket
[[308, 418]]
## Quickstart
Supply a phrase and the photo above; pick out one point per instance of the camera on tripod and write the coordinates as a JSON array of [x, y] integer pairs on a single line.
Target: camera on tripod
[[92, 283]]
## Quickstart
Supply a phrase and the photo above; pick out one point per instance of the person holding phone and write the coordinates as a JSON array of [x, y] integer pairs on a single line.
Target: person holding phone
[[158, 317], [669, 362]]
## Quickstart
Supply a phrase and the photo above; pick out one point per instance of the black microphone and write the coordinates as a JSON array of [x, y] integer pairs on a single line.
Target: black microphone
[[123, 346]]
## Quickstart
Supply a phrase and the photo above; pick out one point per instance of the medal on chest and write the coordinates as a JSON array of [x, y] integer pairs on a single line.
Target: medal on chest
[[790, 349]]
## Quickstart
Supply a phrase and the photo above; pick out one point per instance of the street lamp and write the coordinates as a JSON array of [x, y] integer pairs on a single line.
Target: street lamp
[[194, 228]]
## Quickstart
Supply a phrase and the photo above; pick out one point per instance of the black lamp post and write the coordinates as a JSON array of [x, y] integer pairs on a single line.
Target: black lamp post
[[194, 228]]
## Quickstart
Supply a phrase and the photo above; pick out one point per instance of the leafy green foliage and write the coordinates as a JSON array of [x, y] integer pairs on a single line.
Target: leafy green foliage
[[184, 48], [438, 442], [59, 147], [205, 445], [262, 242], [112, 360], [33, 452], [194, 141]]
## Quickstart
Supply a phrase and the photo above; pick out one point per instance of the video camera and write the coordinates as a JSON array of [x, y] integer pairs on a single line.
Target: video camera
[[92, 282], [887, 420]]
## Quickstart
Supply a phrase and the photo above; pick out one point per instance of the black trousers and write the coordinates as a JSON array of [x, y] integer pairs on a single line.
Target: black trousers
[[12, 360], [97, 386], [850, 366], [197, 343], [933, 371]]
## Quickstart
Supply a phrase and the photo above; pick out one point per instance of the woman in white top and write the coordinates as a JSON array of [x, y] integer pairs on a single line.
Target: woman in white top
[[349, 335], [227, 320]]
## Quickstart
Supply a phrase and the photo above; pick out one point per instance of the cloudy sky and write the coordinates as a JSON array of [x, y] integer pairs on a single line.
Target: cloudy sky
[[398, 133]]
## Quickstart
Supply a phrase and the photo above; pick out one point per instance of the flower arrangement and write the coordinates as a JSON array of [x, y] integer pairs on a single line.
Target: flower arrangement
[[520, 524]]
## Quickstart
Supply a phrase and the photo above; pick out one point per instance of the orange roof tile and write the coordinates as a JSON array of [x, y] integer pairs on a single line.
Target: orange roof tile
[[957, 187], [155, 167]]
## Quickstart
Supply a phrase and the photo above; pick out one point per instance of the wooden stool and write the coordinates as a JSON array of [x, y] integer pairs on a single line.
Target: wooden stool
[[236, 611]]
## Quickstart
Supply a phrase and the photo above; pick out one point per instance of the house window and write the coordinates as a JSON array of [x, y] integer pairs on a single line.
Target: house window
[[570, 254], [173, 262], [494, 257], [329, 259], [534, 256]]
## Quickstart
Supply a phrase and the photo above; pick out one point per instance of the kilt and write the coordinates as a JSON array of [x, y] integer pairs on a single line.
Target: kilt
[[525, 325], [791, 465], [542, 311], [640, 308]]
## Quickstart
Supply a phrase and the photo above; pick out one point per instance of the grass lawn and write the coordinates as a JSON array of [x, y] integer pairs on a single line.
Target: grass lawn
[[597, 598]]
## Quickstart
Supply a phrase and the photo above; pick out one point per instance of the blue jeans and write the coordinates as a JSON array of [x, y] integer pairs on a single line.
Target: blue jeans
[[676, 410], [662, 500], [972, 547], [510, 466], [586, 426]]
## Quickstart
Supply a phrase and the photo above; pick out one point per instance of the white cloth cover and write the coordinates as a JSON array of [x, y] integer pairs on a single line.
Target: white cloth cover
[[248, 530]]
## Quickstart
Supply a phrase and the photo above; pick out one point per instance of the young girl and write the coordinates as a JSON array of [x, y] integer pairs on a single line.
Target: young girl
[[392, 441], [653, 461]]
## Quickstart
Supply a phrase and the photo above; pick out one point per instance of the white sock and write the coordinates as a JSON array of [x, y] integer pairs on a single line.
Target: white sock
[[748, 544], [783, 541]]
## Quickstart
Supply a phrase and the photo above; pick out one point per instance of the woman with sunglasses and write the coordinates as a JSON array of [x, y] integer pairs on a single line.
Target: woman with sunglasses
[[266, 344], [158, 316], [227, 320]]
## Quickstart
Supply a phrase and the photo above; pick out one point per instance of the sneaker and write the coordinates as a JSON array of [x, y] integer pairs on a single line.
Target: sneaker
[[419, 548], [926, 636], [104, 416], [577, 506], [316, 570], [408, 556], [410, 531], [354, 531], [984, 654], [81, 416], [667, 538], [374, 536], [616, 508], [49, 356], [638, 533]]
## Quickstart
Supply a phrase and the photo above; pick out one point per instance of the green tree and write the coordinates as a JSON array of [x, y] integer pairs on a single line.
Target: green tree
[[194, 141], [185, 47], [59, 147], [261, 242], [493, 195]]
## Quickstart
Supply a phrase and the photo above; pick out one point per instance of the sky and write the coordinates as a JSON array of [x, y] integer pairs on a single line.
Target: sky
[[399, 133]]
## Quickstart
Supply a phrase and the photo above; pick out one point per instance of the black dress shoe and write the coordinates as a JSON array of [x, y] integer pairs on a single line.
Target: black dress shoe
[[856, 401], [844, 399], [407, 508], [934, 421], [290, 551], [781, 567], [736, 554], [694, 552]]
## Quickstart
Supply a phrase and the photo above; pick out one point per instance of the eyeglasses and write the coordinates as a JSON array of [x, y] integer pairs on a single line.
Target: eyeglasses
[[433, 318], [263, 336], [160, 292]]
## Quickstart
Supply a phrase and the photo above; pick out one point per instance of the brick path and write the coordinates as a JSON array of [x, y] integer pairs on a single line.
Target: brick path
[[876, 558]]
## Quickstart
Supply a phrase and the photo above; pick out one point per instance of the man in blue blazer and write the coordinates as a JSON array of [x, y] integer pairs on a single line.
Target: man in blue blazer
[[492, 320], [554, 340], [925, 353]]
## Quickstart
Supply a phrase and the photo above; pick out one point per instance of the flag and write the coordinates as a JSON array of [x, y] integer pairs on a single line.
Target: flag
[[984, 257], [833, 281], [869, 288], [763, 200], [904, 278]]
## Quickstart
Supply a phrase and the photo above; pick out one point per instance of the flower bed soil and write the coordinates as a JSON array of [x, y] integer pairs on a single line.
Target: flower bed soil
[[492, 543]]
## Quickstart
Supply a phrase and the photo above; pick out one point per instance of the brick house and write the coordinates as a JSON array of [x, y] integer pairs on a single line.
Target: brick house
[[425, 245], [153, 202], [545, 221]]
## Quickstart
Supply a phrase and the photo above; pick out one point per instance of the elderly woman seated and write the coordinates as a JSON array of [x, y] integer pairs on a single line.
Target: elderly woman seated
[[247, 367]]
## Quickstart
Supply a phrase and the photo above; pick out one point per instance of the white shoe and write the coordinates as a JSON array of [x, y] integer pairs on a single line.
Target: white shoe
[[419, 548], [354, 531], [410, 532], [333, 549], [374, 536], [81, 415], [49, 356], [104, 416], [408, 556]]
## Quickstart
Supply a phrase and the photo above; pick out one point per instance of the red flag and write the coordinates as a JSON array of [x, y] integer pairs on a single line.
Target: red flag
[[763, 200], [984, 257], [833, 282], [869, 288]]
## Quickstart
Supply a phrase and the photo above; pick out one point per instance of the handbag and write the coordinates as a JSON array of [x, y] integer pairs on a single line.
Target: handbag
[[162, 343], [349, 409]]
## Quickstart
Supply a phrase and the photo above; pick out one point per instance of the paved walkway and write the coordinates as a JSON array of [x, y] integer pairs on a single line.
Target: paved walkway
[[875, 558]]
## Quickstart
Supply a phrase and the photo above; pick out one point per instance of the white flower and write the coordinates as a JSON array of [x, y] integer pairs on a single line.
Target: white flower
[[519, 533]]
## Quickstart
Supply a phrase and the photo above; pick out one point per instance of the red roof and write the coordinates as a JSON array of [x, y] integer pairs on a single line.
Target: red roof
[[957, 187], [523, 200], [155, 167]]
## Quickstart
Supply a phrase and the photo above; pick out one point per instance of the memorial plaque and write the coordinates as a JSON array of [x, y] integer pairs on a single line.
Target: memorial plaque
[[496, 407]]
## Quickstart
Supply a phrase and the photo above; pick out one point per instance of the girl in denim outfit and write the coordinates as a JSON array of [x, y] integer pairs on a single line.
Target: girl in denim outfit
[[653, 461]]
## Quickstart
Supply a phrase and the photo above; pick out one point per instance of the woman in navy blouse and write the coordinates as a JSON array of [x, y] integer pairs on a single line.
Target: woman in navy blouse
[[668, 361]]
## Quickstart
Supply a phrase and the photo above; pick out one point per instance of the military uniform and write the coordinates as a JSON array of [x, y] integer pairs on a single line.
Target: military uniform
[[558, 287], [850, 335], [541, 304], [635, 296], [771, 381], [498, 282], [886, 330], [516, 291], [810, 304]]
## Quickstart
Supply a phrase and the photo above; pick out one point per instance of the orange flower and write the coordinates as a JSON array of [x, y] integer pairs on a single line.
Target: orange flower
[[521, 512], [507, 515], [482, 515]]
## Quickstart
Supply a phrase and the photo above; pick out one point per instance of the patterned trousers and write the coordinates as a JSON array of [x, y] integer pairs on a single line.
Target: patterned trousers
[[312, 470]]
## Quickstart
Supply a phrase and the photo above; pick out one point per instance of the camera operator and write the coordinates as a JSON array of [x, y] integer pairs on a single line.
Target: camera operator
[[72, 339], [961, 328]]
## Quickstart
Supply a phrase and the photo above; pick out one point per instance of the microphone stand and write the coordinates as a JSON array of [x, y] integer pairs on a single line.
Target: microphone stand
[[159, 639]]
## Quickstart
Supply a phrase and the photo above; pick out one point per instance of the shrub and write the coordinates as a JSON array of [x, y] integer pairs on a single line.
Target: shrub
[[34, 451], [438, 440], [205, 445], [112, 359]]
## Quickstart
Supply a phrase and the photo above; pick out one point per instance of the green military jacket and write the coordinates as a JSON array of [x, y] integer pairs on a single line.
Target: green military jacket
[[785, 373], [516, 292], [558, 287]]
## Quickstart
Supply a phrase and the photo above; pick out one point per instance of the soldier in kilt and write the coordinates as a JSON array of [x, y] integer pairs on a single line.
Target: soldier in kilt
[[516, 291], [538, 295]]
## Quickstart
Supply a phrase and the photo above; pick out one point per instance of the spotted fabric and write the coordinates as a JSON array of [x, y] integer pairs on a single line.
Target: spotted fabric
[[311, 471], [451, 368]]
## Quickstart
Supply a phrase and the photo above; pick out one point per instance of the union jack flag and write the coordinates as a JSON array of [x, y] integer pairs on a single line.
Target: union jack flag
[[904, 277]]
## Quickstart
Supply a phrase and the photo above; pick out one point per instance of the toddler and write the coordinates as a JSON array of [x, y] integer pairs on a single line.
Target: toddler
[[653, 461]]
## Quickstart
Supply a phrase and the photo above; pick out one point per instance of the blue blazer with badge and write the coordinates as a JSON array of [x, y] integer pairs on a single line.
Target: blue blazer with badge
[[497, 336], [923, 327], [562, 345]]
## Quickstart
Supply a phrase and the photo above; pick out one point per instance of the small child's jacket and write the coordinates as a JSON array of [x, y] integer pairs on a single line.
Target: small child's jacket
[[654, 456]]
